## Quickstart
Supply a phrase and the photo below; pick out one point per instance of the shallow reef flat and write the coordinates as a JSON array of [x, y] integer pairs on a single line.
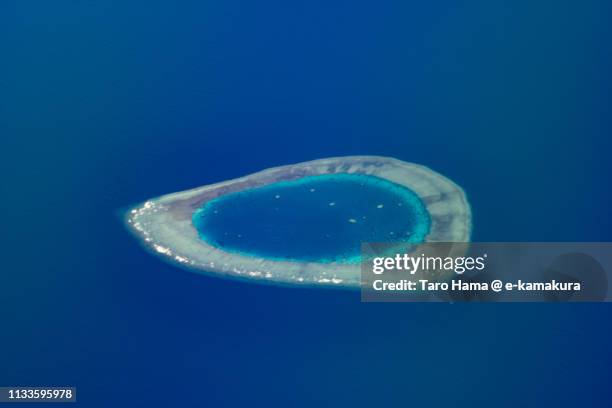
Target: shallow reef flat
[[254, 227]]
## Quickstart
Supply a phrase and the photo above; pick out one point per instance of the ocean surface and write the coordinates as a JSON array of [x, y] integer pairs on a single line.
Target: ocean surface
[[106, 104]]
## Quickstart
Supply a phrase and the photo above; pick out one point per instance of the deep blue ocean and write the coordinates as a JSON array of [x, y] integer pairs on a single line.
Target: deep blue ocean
[[105, 104]]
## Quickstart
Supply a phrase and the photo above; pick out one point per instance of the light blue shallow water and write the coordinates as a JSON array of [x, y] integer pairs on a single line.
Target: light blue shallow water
[[316, 218]]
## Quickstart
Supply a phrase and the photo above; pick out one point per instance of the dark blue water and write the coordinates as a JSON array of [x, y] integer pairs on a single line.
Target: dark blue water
[[318, 218], [105, 104]]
